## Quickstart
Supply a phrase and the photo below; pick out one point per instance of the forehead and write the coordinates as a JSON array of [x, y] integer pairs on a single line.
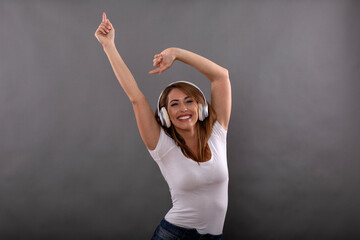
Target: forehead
[[176, 94]]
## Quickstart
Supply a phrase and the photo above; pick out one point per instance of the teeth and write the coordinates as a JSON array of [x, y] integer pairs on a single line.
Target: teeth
[[183, 118]]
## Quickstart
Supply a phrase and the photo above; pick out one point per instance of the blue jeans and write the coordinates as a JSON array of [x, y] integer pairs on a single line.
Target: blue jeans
[[168, 231]]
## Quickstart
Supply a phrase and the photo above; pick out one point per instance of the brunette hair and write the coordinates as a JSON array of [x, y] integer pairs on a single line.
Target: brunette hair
[[203, 128]]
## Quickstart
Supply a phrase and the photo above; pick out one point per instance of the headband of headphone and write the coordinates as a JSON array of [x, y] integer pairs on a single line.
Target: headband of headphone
[[163, 115]]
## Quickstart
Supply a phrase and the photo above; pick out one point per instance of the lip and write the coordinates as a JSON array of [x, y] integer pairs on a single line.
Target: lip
[[184, 115]]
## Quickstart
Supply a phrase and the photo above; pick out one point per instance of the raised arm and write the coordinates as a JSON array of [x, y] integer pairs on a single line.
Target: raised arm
[[148, 127], [217, 75]]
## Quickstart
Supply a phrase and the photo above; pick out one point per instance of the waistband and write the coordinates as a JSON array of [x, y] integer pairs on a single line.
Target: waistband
[[187, 231]]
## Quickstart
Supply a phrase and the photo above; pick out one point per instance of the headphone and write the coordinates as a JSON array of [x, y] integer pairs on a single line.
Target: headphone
[[164, 116]]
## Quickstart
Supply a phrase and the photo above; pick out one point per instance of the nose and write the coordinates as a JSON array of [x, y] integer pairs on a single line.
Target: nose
[[183, 107]]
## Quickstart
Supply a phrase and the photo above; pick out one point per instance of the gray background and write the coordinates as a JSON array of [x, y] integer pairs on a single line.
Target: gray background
[[73, 165]]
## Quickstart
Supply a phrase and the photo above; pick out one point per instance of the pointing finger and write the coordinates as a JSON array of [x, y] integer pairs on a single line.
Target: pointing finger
[[154, 71]]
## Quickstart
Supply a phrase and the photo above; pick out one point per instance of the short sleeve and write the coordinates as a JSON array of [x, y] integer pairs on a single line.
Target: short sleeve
[[164, 145], [219, 131]]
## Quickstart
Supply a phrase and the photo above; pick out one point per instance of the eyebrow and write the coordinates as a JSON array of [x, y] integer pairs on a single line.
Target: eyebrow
[[178, 99]]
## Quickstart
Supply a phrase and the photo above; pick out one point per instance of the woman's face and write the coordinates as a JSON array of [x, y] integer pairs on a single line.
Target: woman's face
[[182, 110]]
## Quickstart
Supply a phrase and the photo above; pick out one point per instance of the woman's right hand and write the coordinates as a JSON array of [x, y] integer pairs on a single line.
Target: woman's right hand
[[105, 33]]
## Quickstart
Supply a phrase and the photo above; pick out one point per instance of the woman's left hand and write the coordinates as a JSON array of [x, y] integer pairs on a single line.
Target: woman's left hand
[[163, 60]]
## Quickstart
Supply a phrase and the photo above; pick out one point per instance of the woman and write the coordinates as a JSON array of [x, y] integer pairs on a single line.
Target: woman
[[186, 138]]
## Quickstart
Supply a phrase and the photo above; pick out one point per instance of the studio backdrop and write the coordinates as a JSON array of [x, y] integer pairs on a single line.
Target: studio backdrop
[[73, 165]]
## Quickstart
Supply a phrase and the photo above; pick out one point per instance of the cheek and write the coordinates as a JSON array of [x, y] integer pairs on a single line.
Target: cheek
[[196, 110], [172, 113]]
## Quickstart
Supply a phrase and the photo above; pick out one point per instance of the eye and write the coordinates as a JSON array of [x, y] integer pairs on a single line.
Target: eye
[[189, 101], [173, 104]]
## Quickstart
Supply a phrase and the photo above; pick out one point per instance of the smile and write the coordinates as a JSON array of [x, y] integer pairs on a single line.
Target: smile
[[184, 117]]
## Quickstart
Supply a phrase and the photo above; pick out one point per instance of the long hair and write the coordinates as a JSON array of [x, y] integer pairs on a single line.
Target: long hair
[[203, 128]]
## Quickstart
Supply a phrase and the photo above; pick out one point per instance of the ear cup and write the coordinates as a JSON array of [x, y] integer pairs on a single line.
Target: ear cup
[[160, 115], [164, 117], [201, 116], [203, 112]]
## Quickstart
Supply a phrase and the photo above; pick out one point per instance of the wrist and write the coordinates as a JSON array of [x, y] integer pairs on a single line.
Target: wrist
[[176, 52], [109, 46]]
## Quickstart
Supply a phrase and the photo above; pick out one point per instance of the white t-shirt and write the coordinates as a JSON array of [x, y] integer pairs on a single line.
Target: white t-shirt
[[199, 192]]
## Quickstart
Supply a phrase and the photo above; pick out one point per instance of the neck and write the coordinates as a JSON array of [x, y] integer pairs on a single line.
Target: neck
[[190, 136]]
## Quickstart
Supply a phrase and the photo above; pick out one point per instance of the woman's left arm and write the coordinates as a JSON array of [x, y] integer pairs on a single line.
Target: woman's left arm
[[217, 75]]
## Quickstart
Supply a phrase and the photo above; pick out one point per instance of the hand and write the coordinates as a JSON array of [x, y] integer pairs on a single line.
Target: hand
[[163, 61], [105, 33]]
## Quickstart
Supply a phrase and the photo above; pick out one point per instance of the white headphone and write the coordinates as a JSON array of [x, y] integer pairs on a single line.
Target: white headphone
[[164, 116]]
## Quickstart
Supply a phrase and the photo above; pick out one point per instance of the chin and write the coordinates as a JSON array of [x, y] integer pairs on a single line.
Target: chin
[[185, 125]]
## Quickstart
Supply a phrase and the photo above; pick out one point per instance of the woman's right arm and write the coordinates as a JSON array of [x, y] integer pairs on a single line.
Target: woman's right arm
[[148, 127]]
